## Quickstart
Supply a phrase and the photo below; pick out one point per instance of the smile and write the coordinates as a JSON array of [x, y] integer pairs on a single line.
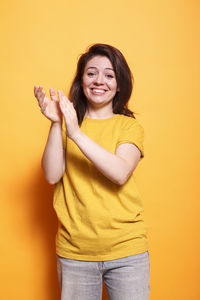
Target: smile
[[98, 91]]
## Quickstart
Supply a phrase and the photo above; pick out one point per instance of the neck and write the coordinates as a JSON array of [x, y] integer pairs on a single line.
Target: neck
[[100, 113], [95, 115]]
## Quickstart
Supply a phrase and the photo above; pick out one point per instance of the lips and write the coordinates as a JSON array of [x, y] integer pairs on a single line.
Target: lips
[[98, 91]]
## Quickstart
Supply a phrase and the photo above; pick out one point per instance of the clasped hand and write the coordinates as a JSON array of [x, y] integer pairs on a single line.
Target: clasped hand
[[56, 107]]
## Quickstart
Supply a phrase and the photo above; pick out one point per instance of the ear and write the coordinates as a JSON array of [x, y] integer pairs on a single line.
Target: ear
[[118, 89]]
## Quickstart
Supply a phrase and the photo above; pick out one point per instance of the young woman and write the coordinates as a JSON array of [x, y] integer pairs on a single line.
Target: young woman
[[93, 148]]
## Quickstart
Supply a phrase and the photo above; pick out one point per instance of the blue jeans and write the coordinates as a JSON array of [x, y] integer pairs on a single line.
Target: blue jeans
[[126, 278]]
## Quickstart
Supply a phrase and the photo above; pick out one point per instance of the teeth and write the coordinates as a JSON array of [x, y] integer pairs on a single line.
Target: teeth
[[98, 91]]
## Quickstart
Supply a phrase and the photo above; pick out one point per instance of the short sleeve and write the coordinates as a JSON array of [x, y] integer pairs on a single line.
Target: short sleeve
[[64, 134], [131, 131]]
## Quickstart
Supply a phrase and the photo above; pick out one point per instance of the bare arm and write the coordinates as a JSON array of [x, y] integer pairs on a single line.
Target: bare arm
[[53, 160], [117, 167]]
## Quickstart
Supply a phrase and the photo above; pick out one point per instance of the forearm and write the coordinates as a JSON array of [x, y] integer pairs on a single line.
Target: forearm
[[110, 165], [53, 160]]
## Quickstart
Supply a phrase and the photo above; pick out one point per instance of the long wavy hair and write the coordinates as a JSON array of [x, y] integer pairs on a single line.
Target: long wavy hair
[[123, 75]]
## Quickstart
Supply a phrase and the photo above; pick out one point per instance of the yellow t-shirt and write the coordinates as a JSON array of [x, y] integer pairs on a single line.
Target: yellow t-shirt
[[98, 219]]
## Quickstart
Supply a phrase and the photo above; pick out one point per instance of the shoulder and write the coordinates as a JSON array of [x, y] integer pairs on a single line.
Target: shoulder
[[126, 122]]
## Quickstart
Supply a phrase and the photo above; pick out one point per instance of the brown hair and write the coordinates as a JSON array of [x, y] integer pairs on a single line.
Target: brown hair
[[123, 75]]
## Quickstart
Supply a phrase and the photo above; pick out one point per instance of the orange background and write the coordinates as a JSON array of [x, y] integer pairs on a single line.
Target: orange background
[[40, 44]]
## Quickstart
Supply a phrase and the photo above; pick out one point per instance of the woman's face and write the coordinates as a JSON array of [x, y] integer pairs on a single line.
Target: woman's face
[[99, 81]]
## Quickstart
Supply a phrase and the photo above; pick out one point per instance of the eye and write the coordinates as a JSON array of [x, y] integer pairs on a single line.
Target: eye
[[110, 76], [90, 74]]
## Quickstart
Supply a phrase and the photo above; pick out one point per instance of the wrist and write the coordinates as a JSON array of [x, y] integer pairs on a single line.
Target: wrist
[[76, 136], [56, 124]]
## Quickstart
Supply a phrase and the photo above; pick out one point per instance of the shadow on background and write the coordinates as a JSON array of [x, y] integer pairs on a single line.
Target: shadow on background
[[44, 220], [45, 223]]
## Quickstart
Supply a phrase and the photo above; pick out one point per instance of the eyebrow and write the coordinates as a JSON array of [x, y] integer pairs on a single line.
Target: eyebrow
[[96, 68]]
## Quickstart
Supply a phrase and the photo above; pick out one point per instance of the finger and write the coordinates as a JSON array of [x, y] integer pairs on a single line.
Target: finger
[[67, 107], [39, 94], [40, 90], [53, 94], [35, 89], [41, 97], [64, 99], [43, 107], [67, 112], [61, 95], [64, 103], [63, 106]]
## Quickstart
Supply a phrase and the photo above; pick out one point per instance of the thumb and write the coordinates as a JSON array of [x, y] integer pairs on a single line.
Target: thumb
[[53, 94]]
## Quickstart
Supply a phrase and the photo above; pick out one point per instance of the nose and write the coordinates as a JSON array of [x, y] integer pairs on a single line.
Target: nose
[[99, 79]]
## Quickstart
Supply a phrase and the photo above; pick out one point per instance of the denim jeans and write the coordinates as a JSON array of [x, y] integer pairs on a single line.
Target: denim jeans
[[126, 278]]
